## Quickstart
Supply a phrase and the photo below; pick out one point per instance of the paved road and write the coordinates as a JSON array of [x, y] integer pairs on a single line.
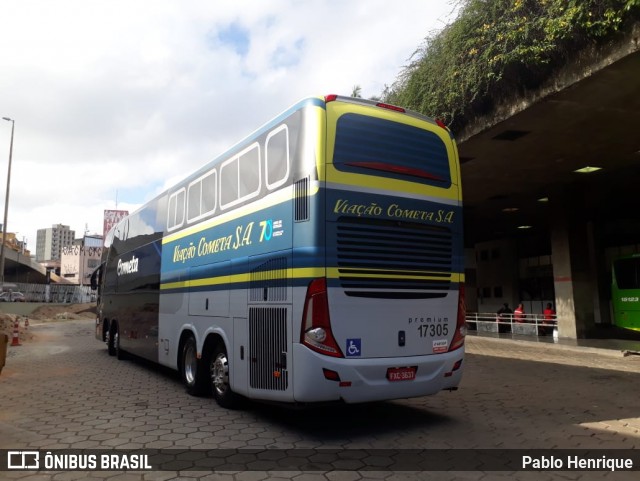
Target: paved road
[[62, 390]]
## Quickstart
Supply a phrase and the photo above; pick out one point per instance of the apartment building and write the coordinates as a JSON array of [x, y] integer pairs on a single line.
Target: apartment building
[[50, 241]]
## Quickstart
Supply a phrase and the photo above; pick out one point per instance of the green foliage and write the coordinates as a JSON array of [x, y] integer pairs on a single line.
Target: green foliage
[[497, 48]]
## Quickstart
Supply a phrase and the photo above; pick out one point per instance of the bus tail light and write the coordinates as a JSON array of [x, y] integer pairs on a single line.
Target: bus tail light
[[316, 326], [382, 105], [461, 322], [390, 107]]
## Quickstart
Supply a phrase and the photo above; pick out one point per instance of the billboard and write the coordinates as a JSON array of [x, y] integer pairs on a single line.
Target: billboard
[[111, 218]]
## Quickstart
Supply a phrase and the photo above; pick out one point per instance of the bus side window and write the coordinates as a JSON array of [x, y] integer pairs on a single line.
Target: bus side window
[[209, 191], [175, 218], [194, 194], [277, 157], [229, 183], [201, 197], [240, 177], [250, 172]]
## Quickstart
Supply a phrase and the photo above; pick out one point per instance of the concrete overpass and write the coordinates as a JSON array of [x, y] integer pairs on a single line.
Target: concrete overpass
[[525, 202], [19, 268]]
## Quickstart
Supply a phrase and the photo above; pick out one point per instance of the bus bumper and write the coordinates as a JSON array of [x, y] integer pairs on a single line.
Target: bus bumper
[[364, 380]]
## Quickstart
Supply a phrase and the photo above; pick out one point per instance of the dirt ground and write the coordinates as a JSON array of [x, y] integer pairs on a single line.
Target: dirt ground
[[69, 311], [44, 313]]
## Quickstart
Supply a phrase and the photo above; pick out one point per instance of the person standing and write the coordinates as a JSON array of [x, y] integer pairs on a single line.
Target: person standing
[[518, 313], [549, 314], [548, 320], [503, 318]]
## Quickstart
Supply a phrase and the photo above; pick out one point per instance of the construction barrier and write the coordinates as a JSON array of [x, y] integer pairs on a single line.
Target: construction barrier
[[16, 333]]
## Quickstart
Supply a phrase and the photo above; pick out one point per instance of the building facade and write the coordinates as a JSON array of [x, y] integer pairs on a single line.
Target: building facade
[[78, 261], [50, 242]]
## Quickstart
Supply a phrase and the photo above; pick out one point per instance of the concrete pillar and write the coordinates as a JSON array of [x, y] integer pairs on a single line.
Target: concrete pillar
[[574, 264]]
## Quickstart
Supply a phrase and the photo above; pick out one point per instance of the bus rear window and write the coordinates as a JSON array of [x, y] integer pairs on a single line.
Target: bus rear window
[[374, 146], [627, 273]]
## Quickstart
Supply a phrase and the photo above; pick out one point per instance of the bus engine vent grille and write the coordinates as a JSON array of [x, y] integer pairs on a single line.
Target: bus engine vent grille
[[301, 193], [384, 259], [268, 348], [269, 281]]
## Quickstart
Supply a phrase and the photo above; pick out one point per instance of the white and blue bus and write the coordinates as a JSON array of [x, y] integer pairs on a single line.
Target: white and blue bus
[[320, 259]]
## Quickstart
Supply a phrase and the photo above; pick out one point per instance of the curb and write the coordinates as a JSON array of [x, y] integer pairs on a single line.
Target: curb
[[609, 347]]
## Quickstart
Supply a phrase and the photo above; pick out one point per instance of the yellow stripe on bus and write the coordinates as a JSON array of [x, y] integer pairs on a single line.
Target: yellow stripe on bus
[[299, 273]]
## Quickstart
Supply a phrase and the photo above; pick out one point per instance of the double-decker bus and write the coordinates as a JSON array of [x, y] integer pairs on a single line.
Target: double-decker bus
[[320, 259], [625, 292]]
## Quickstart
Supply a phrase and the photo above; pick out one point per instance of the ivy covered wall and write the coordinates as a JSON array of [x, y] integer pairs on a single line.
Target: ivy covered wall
[[496, 49]]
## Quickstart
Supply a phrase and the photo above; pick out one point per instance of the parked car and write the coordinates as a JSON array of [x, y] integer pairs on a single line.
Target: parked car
[[13, 296]]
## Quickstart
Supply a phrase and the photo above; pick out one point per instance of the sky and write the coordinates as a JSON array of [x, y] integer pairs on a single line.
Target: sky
[[116, 101]]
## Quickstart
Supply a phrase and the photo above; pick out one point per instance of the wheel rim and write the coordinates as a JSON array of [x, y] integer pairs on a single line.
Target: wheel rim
[[220, 374], [190, 363], [116, 341]]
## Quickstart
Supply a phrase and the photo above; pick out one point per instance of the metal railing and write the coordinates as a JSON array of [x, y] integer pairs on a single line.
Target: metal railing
[[57, 293], [525, 324]]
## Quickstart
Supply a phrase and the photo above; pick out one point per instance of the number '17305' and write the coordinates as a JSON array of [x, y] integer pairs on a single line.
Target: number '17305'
[[433, 330]]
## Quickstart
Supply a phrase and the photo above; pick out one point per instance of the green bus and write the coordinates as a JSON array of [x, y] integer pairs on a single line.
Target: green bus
[[625, 292]]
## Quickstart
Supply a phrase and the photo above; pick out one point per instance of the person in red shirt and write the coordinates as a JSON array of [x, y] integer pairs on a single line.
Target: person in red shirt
[[549, 313], [518, 313], [548, 320]]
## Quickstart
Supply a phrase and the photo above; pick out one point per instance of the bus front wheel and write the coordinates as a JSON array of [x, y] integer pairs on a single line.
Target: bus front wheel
[[219, 372], [111, 333], [119, 353]]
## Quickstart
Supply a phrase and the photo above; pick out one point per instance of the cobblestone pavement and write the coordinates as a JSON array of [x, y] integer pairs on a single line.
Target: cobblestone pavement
[[62, 391]]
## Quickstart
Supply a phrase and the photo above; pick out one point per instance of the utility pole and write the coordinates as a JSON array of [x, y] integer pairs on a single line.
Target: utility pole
[[6, 203]]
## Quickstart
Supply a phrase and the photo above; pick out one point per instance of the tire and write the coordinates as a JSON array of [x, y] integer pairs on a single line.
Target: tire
[[120, 354], [218, 363], [111, 347], [115, 336], [192, 369]]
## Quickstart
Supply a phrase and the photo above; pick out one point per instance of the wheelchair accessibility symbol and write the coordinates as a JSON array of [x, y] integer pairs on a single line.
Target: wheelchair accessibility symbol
[[353, 347]]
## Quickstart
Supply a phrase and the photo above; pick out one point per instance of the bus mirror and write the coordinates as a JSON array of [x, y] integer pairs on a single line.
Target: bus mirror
[[94, 280]]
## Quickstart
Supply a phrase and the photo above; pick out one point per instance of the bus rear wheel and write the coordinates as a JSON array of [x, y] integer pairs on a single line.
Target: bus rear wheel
[[219, 373], [193, 377]]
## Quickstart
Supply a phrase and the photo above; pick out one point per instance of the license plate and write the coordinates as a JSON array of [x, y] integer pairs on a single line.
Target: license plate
[[401, 373]]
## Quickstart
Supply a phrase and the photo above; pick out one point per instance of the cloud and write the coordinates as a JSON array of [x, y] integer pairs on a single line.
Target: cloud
[[130, 96], [235, 37]]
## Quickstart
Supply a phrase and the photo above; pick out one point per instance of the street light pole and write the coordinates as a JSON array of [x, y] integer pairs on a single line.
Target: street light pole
[[6, 203]]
